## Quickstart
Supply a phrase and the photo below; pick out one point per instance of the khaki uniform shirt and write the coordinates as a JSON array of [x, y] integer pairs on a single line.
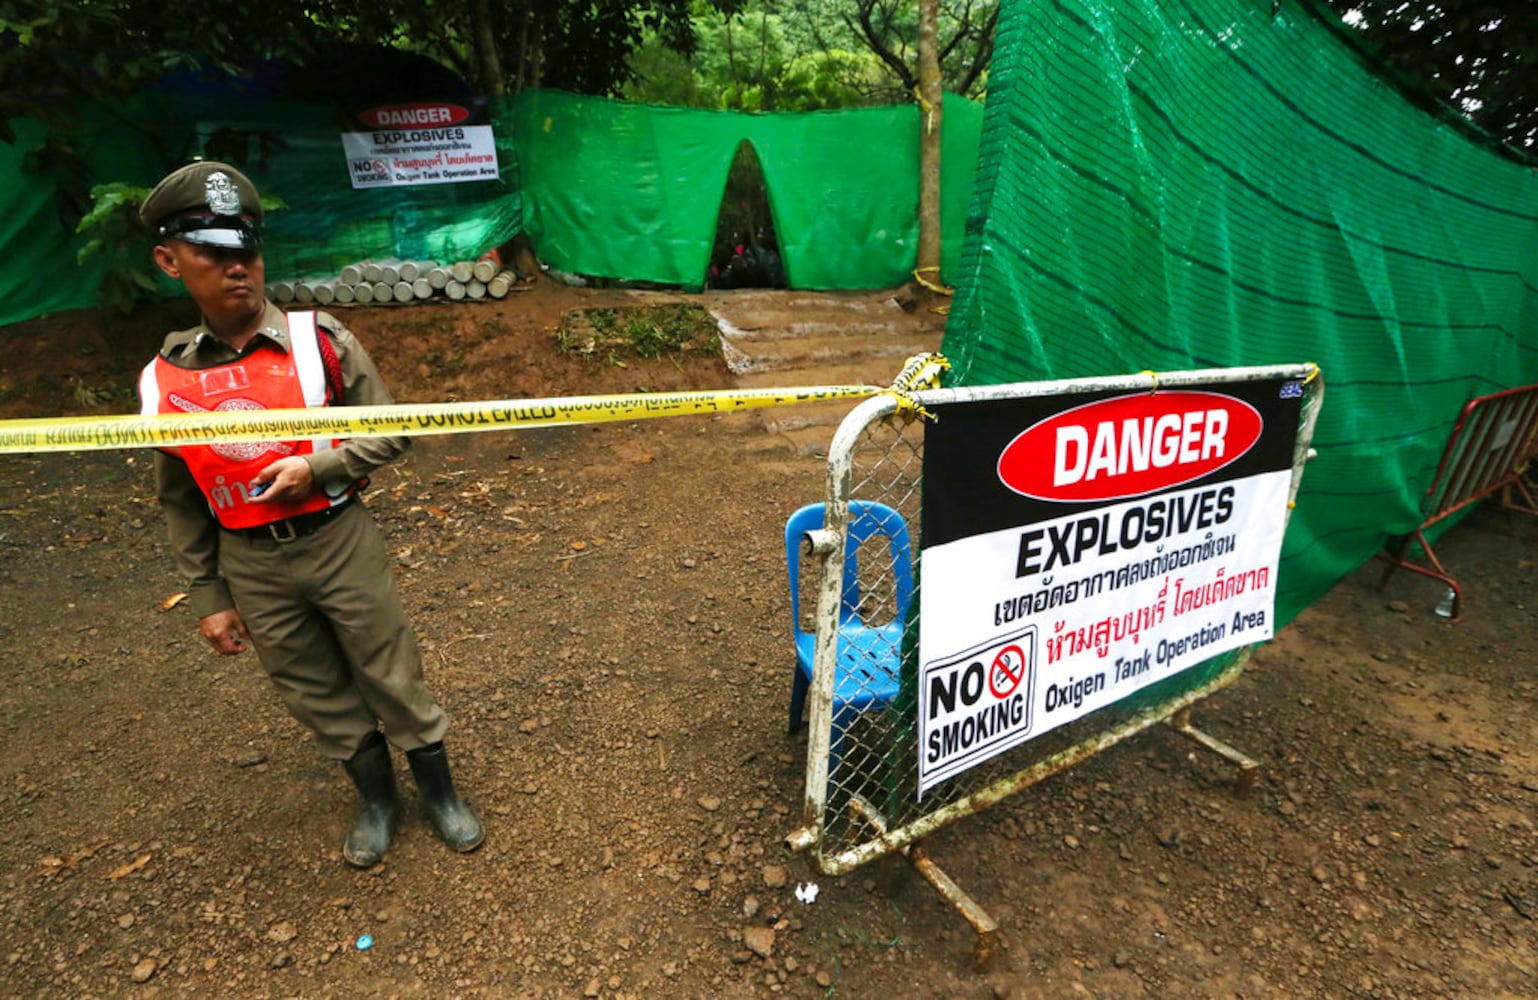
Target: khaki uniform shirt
[[193, 528]]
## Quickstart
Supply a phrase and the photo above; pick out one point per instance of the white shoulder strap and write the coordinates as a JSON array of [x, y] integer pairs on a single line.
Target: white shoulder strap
[[302, 334], [149, 389]]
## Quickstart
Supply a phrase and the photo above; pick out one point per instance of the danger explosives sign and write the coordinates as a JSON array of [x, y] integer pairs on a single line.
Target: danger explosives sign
[[1077, 548], [425, 142]]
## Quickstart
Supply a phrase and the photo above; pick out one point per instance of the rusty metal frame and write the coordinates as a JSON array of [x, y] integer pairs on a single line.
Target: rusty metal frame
[[1488, 451], [829, 544], [986, 927]]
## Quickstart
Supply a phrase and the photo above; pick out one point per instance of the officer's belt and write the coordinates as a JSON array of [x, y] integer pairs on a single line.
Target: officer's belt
[[298, 526]]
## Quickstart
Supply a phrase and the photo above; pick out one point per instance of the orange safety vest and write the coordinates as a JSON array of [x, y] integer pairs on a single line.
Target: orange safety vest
[[263, 378]]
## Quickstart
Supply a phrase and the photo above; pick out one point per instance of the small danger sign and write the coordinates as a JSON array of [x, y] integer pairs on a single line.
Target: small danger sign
[[975, 705]]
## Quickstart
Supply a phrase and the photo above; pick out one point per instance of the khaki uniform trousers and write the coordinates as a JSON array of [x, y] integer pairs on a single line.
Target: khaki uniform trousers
[[326, 621]]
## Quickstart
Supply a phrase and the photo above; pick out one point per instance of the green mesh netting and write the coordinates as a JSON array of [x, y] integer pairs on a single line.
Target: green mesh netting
[[1171, 184], [633, 190], [603, 188]]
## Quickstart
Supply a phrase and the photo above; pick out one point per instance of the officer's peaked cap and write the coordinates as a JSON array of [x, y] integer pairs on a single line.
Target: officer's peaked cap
[[206, 202]]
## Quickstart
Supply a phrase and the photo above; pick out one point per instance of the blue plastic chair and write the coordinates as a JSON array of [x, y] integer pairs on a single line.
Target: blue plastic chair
[[868, 655]]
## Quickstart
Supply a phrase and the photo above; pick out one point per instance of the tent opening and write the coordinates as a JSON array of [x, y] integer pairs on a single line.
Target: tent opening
[[746, 253]]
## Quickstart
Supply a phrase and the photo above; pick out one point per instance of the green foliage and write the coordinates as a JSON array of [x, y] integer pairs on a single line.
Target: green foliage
[[889, 30], [582, 47], [753, 63], [806, 55], [1480, 58], [115, 234], [644, 332]]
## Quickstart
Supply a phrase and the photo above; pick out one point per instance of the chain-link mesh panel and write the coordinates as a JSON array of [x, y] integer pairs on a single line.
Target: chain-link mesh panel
[[872, 729]]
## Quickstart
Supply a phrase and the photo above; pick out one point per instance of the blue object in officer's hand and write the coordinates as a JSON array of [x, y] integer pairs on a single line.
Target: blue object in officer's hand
[[258, 490]]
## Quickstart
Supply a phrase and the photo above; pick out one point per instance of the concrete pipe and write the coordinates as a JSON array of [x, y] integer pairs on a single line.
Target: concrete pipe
[[499, 286]]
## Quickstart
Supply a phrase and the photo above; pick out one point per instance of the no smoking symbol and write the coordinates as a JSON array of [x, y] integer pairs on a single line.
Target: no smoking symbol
[[1007, 672]]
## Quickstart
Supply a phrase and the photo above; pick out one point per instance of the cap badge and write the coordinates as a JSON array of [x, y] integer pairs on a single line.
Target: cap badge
[[220, 194]]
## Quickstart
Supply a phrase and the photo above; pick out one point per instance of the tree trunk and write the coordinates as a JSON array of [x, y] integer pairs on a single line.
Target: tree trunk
[[488, 64], [930, 103]]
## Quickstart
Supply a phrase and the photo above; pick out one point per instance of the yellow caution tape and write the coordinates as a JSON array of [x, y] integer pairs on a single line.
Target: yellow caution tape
[[407, 420], [921, 372]]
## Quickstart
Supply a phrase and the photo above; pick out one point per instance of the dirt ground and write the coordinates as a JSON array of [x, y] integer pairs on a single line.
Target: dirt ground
[[605, 616]]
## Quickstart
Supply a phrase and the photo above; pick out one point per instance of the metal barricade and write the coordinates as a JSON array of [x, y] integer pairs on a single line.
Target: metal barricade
[[1488, 452], [861, 799]]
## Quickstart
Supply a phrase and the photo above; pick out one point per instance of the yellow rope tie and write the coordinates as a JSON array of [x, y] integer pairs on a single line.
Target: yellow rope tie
[[1313, 373], [933, 286], [922, 371], [927, 108], [1153, 375]]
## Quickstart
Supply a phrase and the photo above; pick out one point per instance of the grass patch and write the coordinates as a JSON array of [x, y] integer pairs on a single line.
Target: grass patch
[[639, 332]]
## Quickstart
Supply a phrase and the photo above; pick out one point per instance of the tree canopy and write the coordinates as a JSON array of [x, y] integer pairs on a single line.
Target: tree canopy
[[1478, 56], [797, 55], [54, 53], [890, 29]]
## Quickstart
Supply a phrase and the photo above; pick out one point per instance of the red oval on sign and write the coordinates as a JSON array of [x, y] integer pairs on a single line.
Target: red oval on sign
[[1127, 446], [424, 114]]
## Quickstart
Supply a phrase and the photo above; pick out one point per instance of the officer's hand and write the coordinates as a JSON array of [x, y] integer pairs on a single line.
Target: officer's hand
[[288, 479], [225, 631]]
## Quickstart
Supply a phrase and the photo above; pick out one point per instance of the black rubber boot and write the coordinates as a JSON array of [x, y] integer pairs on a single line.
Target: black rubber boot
[[371, 770], [455, 821]]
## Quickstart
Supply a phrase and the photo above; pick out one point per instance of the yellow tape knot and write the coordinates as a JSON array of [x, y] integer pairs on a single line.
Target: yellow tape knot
[[922, 371]]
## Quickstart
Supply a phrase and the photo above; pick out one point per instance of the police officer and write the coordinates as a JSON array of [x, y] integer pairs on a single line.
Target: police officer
[[279, 552]]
